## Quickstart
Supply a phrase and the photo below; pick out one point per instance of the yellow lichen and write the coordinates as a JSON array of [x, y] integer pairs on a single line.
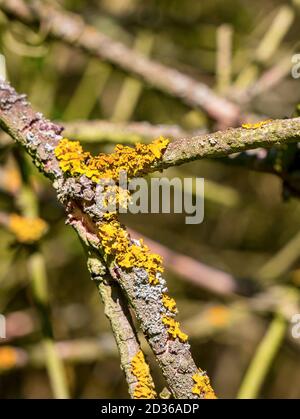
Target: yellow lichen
[[174, 328], [132, 160], [116, 243], [140, 369], [257, 124], [169, 303], [27, 230], [202, 386]]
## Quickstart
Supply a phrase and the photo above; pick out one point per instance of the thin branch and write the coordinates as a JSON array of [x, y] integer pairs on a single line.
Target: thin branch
[[54, 364], [263, 358], [116, 310], [128, 133], [281, 261], [70, 28], [76, 351], [233, 140], [39, 291]]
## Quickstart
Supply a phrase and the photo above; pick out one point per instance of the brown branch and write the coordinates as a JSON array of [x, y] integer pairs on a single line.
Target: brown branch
[[40, 137], [129, 133], [70, 28], [233, 140], [115, 307], [104, 131], [173, 356], [74, 351]]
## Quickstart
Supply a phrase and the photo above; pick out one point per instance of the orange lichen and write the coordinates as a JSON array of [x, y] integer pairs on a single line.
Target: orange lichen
[[116, 242], [140, 369], [257, 124], [27, 230], [132, 160], [174, 328], [202, 386], [218, 315], [169, 303], [8, 357]]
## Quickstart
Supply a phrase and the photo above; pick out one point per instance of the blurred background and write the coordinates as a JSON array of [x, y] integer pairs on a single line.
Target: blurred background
[[236, 276]]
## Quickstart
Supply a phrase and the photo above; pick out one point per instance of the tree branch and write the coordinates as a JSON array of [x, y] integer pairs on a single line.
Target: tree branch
[[233, 140], [115, 307], [128, 133], [70, 28], [40, 137]]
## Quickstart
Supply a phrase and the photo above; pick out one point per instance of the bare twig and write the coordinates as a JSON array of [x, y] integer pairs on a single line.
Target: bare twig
[[224, 57], [40, 295], [281, 261], [129, 133], [263, 358], [76, 351], [73, 30]]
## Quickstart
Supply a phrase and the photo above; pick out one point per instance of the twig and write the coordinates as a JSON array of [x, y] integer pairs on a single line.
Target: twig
[[224, 57], [267, 46], [186, 148], [73, 30], [74, 351], [281, 261], [54, 364], [116, 310], [128, 133], [118, 314], [263, 358], [131, 88], [223, 143], [86, 95], [39, 290], [270, 78]]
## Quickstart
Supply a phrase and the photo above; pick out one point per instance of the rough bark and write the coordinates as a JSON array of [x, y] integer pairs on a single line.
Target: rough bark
[[223, 143], [40, 137]]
